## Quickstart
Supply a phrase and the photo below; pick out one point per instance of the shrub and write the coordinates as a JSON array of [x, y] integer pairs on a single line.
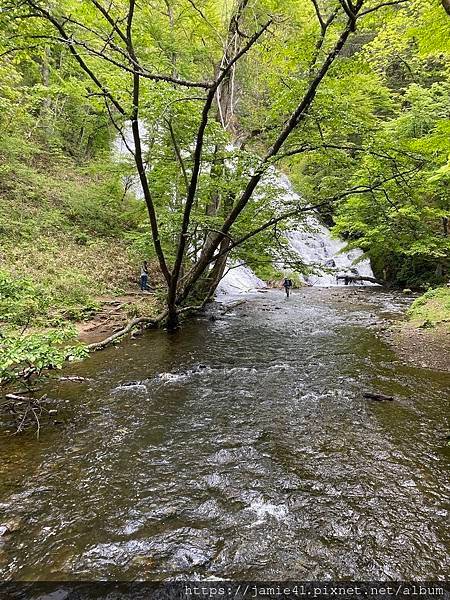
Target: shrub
[[25, 356]]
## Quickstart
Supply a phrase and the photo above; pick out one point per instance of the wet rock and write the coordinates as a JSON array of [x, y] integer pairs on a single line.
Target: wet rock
[[9, 527], [133, 384]]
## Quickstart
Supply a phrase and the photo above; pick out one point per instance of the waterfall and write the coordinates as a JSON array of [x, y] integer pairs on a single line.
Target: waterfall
[[313, 242], [317, 247], [314, 245], [239, 279]]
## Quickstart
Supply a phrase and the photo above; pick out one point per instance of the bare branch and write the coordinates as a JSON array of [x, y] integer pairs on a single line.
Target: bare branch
[[117, 128], [110, 20], [319, 16], [138, 157], [371, 10]]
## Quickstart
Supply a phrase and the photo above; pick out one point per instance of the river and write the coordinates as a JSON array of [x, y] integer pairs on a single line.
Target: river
[[239, 448]]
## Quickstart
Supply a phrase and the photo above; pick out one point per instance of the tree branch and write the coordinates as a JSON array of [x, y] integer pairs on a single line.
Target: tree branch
[[198, 152], [296, 117], [138, 148], [49, 17], [371, 10], [178, 153]]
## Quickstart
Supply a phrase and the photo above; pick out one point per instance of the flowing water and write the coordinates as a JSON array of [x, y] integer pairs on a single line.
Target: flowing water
[[240, 447]]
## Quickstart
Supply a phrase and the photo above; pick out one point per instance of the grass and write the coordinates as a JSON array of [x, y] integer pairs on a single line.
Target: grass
[[67, 237], [432, 309]]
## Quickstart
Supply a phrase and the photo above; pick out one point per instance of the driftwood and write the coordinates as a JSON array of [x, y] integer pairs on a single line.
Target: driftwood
[[25, 411], [18, 398], [355, 278], [378, 397]]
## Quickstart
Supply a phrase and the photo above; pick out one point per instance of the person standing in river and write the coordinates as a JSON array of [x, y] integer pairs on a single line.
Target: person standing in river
[[144, 277], [287, 284]]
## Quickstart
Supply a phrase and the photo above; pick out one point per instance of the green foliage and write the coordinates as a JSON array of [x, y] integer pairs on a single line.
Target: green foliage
[[432, 308], [266, 270], [25, 356], [379, 126], [402, 223], [21, 302]]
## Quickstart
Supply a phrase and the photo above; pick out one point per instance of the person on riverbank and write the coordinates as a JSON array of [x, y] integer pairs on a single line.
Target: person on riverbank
[[287, 284], [144, 277]]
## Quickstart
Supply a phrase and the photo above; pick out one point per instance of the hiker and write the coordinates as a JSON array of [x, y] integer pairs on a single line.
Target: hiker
[[287, 284], [144, 277]]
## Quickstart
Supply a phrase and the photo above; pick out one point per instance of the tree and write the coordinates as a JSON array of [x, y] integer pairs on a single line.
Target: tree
[[404, 229], [173, 66]]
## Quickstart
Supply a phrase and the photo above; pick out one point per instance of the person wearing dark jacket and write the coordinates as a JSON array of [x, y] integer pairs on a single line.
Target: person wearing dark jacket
[[144, 277], [287, 284]]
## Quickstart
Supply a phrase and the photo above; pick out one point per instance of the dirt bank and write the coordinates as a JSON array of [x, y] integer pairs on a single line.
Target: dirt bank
[[115, 313], [429, 348]]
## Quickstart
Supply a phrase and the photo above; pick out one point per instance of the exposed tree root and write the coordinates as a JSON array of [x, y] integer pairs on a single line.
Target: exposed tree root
[[147, 321]]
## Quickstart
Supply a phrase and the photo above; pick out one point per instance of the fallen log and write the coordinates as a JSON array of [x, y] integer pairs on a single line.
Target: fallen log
[[355, 278]]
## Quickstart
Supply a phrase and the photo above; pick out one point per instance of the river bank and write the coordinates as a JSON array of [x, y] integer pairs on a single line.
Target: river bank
[[412, 336]]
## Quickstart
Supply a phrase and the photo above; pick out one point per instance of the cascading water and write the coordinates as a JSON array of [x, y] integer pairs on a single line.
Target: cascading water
[[314, 245], [317, 247], [239, 279]]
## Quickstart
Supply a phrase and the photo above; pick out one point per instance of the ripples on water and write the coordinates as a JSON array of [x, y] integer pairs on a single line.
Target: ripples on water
[[239, 448]]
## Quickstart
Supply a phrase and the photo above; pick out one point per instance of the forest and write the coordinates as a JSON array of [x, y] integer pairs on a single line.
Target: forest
[[208, 98], [193, 137]]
